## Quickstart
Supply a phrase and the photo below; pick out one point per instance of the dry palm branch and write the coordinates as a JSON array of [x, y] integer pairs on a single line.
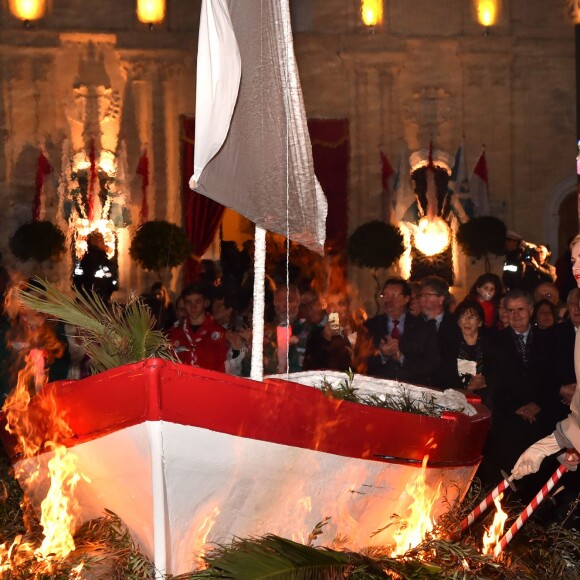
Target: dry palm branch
[[113, 334]]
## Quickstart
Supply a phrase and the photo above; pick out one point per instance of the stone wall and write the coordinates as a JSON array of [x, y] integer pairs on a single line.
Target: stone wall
[[428, 73], [96, 75]]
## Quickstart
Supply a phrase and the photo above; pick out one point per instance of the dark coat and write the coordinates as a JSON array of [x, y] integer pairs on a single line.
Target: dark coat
[[418, 344], [97, 272], [564, 336], [447, 334], [512, 385], [334, 354], [562, 339], [450, 378]]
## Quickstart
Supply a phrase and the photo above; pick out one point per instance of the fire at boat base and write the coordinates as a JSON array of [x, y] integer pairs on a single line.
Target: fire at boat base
[[217, 486]]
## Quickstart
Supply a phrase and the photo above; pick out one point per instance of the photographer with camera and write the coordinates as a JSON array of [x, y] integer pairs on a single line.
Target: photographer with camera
[[526, 264], [514, 266], [546, 270], [537, 270]]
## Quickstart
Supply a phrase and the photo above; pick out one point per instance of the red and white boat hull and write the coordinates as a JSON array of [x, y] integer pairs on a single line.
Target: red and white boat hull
[[188, 457]]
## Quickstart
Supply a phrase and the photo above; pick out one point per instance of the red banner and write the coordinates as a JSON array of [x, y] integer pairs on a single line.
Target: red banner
[[143, 171], [43, 168], [93, 180]]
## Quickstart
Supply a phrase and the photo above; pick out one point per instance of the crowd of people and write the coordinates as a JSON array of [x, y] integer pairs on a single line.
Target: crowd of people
[[510, 340]]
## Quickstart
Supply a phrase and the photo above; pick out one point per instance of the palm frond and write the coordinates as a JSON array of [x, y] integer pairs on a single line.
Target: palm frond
[[113, 334], [275, 558]]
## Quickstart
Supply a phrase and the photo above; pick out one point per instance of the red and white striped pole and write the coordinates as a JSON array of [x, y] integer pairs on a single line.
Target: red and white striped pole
[[532, 506], [476, 512]]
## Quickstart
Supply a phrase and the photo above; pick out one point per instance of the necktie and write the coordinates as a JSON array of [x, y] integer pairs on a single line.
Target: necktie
[[395, 333], [522, 347]]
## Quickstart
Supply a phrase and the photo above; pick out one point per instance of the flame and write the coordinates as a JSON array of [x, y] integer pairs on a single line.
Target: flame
[[75, 573], [303, 505], [40, 427], [432, 236], [419, 522], [493, 535], [58, 518], [200, 541]]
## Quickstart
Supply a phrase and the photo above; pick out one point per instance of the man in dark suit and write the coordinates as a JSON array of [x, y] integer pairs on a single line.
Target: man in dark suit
[[435, 299], [406, 345], [520, 368]]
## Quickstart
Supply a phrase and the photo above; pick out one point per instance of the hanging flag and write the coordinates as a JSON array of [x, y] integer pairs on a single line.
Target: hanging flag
[[143, 171], [479, 186], [43, 169], [387, 175], [253, 151], [403, 194], [459, 196]]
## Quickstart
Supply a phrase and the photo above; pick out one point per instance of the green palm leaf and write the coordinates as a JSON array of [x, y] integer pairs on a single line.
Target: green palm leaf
[[113, 335], [275, 558]]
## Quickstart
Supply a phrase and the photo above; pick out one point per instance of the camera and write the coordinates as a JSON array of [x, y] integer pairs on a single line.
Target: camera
[[529, 252]]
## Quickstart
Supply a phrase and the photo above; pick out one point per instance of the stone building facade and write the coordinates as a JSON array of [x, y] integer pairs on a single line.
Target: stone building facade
[[428, 73]]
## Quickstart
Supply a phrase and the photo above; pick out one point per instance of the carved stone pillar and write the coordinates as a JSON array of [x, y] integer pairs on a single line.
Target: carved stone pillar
[[170, 77], [488, 94], [373, 127]]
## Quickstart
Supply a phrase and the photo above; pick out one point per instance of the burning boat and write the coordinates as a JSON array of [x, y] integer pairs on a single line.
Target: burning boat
[[188, 457]]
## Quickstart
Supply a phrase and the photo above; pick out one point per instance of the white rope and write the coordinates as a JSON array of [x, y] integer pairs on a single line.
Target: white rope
[[288, 40]]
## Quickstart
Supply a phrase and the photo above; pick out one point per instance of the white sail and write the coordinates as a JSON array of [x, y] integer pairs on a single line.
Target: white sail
[[263, 168], [218, 81]]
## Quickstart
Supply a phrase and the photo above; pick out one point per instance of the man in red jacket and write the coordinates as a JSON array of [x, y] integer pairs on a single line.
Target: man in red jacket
[[199, 341]]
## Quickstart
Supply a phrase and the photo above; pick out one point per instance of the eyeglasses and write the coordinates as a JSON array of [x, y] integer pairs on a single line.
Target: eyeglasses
[[390, 296]]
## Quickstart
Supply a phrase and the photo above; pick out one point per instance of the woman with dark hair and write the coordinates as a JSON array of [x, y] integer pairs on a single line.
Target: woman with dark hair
[[464, 360], [545, 314], [487, 291]]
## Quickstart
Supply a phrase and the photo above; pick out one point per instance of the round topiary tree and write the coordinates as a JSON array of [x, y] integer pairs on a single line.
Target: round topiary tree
[[159, 244], [482, 236], [375, 245], [38, 241]]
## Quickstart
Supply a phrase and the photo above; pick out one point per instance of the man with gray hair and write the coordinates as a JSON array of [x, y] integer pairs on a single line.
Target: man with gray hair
[[518, 382]]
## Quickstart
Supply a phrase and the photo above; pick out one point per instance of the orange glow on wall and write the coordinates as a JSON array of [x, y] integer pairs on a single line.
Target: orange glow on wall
[[372, 12], [28, 9], [151, 11], [487, 12]]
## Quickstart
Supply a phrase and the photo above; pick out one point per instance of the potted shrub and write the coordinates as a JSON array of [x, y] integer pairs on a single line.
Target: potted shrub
[[375, 244], [159, 244], [38, 241], [482, 236]]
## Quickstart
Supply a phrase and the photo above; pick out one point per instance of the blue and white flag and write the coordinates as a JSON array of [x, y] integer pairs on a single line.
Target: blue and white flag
[[461, 202]]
